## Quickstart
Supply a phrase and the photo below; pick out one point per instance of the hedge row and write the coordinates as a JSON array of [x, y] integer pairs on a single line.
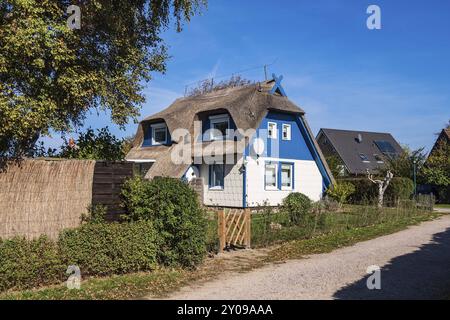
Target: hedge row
[[97, 249], [366, 191]]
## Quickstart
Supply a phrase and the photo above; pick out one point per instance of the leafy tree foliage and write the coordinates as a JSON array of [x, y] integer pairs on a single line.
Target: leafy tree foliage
[[50, 75], [89, 145], [403, 164], [437, 168], [335, 164]]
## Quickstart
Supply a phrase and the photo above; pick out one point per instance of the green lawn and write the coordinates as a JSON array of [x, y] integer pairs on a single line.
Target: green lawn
[[333, 230], [446, 206]]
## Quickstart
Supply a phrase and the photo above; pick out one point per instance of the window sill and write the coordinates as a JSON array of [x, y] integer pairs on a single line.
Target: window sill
[[216, 189]]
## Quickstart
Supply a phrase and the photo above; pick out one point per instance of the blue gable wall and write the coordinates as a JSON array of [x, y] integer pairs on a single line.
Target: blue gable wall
[[296, 148]]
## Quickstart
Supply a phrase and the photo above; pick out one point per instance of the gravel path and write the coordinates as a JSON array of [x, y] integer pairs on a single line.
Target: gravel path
[[415, 264]]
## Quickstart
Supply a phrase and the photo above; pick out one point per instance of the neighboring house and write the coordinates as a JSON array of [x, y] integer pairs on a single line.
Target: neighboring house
[[358, 150], [444, 137], [235, 170]]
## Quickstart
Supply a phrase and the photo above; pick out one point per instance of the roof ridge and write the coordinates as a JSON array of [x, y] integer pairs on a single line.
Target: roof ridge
[[357, 131]]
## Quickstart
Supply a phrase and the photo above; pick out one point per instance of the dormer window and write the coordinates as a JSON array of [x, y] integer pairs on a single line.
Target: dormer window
[[220, 124], [159, 134]]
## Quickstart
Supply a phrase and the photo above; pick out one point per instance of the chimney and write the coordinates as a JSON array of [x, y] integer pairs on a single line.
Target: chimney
[[359, 138]]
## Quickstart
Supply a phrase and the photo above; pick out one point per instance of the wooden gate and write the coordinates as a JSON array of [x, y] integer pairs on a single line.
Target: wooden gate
[[234, 228]]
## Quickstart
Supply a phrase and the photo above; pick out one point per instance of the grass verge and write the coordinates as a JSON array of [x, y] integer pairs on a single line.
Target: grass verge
[[328, 242]]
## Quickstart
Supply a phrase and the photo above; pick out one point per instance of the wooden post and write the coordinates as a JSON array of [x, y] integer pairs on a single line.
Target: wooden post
[[221, 229], [248, 217]]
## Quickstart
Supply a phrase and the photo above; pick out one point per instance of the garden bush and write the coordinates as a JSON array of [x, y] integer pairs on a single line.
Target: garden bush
[[96, 248], [399, 189], [297, 206], [177, 216], [341, 191], [110, 248], [366, 191], [29, 263]]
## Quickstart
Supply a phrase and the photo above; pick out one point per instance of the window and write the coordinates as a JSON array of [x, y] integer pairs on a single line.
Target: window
[[286, 176], [271, 176], [272, 130], [159, 134], [141, 168], [286, 131], [219, 126], [216, 176], [363, 157], [378, 158]]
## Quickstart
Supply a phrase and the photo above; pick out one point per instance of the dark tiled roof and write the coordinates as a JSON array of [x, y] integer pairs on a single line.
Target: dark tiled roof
[[346, 144]]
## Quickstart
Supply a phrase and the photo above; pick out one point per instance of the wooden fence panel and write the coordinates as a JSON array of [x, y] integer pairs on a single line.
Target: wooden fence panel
[[108, 180]]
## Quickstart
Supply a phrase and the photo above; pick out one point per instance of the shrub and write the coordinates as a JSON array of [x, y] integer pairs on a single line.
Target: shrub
[[96, 214], [178, 218], [110, 248], [26, 263], [297, 206], [399, 189], [341, 191], [365, 191]]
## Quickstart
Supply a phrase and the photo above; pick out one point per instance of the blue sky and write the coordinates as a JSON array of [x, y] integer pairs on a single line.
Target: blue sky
[[343, 75]]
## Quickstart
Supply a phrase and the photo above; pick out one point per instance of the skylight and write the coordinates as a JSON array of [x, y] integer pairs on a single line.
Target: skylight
[[363, 157], [386, 148]]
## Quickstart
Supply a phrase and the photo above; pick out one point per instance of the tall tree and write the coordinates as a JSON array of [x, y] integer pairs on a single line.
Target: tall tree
[[437, 168], [51, 76]]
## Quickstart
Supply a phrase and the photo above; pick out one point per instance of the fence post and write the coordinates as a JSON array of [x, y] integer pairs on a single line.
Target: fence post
[[248, 231], [221, 229]]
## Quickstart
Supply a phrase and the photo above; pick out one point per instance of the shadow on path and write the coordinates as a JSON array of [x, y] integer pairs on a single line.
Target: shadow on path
[[422, 274]]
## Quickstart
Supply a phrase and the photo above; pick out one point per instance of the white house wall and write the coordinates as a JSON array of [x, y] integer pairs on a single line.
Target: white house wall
[[231, 195], [307, 180]]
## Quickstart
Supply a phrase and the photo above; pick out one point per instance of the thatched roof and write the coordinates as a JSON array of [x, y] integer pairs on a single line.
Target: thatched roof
[[247, 106]]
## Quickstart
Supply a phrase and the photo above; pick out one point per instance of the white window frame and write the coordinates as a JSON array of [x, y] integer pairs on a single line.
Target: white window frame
[[286, 126], [274, 134], [291, 169], [218, 119], [155, 127], [266, 187], [211, 168]]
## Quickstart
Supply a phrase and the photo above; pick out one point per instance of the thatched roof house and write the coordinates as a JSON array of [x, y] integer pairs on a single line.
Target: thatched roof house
[[237, 108]]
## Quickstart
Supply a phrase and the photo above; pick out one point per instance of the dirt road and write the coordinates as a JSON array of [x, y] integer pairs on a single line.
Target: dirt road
[[415, 264]]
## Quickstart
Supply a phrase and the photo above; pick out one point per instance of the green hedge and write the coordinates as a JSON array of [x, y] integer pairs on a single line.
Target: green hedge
[[367, 192], [98, 249], [175, 211], [104, 249], [29, 263]]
